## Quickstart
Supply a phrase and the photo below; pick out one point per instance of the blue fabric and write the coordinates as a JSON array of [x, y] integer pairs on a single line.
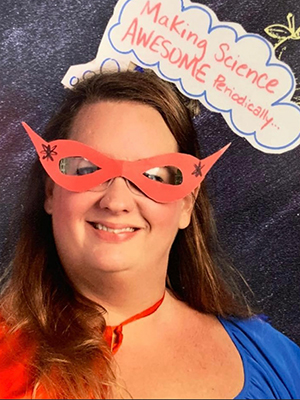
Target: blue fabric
[[271, 361]]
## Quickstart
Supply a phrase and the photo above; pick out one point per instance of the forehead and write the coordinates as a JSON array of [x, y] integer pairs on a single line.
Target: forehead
[[123, 130]]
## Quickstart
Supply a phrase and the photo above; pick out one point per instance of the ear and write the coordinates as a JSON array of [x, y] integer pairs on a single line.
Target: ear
[[49, 186], [187, 208]]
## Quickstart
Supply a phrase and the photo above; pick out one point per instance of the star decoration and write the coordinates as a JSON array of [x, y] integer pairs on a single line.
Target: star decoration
[[49, 152], [198, 170]]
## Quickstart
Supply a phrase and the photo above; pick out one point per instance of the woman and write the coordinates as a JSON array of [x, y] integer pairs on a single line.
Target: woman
[[86, 313]]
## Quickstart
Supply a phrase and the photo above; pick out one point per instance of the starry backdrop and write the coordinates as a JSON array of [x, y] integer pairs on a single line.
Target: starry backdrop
[[256, 196]]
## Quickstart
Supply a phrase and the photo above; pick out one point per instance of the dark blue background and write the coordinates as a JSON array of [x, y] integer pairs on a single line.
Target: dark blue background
[[256, 196]]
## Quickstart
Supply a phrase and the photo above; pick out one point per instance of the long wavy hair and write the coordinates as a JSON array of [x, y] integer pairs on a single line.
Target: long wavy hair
[[40, 301]]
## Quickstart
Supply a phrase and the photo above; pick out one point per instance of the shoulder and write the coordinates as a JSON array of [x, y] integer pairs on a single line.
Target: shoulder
[[257, 329], [16, 354], [271, 360]]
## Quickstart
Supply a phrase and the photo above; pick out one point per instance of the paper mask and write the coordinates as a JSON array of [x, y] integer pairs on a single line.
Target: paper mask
[[163, 178]]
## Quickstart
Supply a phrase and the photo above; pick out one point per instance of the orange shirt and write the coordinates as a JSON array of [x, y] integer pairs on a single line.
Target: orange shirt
[[16, 353]]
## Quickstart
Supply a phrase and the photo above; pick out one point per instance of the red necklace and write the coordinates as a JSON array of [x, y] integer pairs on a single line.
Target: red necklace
[[114, 334]]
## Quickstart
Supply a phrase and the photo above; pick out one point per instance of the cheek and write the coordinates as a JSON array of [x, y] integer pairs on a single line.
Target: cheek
[[67, 210], [62, 206], [165, 216], [68, 230], [163, 221]]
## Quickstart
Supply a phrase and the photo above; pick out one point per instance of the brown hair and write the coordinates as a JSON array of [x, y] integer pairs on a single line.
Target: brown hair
[[40, 299]]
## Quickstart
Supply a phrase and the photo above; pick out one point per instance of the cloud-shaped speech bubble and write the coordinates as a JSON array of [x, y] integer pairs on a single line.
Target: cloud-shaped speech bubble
[[229, 70]]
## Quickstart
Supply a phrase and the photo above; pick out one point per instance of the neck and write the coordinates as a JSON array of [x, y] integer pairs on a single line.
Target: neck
[[121, 294]]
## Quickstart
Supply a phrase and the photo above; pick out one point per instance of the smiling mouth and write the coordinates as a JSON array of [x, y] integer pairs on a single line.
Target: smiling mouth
[[104, 228]]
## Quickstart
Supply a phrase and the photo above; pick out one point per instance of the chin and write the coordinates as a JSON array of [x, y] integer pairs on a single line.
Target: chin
[[111, 264]]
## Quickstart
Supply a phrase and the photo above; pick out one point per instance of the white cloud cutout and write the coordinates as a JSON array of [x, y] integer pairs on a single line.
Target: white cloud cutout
[[229, 70]]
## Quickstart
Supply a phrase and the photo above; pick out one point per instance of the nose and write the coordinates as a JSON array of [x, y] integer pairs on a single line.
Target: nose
[[117, 197]]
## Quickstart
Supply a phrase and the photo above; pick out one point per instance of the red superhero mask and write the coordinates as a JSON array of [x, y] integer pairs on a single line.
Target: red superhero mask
[[78, 168]]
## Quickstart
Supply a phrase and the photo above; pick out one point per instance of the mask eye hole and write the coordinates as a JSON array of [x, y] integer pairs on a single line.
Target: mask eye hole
[[167, 175], [77, 166]]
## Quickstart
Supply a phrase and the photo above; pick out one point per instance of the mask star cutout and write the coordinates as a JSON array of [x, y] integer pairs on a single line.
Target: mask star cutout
[[48, 152], [198, 170]]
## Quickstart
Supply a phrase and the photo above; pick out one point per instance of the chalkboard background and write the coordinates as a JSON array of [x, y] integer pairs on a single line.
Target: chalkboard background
[[256, 196]]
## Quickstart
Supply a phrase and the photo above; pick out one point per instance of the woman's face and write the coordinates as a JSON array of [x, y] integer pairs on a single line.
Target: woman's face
[[143, 230]]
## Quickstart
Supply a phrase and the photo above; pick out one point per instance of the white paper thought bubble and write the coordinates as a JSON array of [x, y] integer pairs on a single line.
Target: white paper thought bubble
[[229, 70]]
